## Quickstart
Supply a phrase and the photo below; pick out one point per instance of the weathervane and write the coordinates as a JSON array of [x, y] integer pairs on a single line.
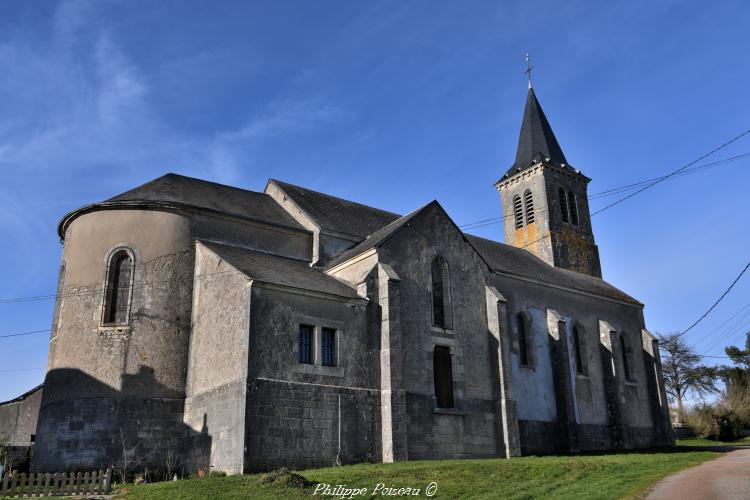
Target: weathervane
[[529, 67]]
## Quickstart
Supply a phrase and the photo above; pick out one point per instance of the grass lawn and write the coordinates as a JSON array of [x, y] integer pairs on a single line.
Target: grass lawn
[[591, 476]]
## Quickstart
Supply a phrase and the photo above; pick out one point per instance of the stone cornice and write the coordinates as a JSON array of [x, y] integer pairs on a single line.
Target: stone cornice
[[169, 206]]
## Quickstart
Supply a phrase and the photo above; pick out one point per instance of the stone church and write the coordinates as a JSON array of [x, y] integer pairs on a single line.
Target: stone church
[[249, 330]]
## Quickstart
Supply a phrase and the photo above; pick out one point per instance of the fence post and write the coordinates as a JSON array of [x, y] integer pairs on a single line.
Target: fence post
[[13, 483], [86, 482], [94, 482], [22, 485], [6, 478], [108, 480], [31, 488], [47, 479]]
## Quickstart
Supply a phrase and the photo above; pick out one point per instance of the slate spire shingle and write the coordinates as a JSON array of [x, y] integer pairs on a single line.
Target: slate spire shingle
[[536, 141]]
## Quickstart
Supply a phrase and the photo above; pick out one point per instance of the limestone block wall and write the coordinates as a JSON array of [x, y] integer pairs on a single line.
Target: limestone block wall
[[304, 415], [18, 418], [105, 384], [217, 365], [472, 428], [593, 408]]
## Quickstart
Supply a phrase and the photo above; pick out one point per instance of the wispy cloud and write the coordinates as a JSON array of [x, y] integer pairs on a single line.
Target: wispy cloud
[[93, 107]]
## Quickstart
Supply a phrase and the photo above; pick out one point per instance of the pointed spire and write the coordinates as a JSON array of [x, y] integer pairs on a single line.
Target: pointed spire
[[536, 142]]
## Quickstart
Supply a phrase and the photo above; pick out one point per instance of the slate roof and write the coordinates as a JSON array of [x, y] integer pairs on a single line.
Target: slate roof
[[376, 238], [176, 188], [536, 141], [23, 396], [336, 214], [281, 270], [518, 261]]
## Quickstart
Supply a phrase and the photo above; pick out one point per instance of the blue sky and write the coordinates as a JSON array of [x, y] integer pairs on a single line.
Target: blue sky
[[389, 103]]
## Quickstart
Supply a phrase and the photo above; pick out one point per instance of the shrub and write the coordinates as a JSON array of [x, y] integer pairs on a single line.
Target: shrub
[[284, 477], [730, 426], [708, 422], [702, 421], [737, 399]]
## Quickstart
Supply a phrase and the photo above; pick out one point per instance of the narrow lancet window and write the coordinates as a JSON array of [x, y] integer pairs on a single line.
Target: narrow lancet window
[[626, 367], [518, 211], [442, 313], [563, 205], [579, 349], [443, 373], [573, 208], [119, 287], [524, 342], [528, 201]]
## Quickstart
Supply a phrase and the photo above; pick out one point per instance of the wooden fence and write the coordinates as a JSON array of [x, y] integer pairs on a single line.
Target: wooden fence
[[58, 484]]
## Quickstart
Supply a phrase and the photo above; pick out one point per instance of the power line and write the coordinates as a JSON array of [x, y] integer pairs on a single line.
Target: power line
[[21, 370], [693, 170], [613, 191], [24, 333], [715, 303], [736, 138], [707, 341]]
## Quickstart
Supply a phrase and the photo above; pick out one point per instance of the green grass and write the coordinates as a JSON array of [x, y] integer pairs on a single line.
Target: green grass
[[694, 441], [591, 476]]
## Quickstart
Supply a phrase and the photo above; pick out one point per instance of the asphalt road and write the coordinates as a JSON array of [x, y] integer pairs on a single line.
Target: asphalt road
[[726, 478]]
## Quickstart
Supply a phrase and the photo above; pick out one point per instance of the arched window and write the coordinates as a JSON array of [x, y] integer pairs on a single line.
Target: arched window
[[442, 369], [528, 202], [563, 205], [119, 287], [524, 341], [573, 208], [579, 350], [626, 366], [518, 211], [442, 313]]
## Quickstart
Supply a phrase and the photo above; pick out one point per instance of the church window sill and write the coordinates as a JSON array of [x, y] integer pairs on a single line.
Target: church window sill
[[449, 411], [441, 330], [330, 371]]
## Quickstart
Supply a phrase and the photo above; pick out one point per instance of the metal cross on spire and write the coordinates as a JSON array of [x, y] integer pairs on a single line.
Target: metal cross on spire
[[529, 67]]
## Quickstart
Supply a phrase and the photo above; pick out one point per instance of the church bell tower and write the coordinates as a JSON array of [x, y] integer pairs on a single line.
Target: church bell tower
[[544, 199]]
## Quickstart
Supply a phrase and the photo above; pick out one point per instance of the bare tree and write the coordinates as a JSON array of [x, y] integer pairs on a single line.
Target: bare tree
[[129, 459], [6, 453], [683, 373], [170, 460]]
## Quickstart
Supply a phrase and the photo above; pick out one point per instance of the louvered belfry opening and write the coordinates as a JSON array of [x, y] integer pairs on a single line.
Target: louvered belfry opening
[[563, 205], [528, 201], [573, 208], [518, 211], [443, 372]]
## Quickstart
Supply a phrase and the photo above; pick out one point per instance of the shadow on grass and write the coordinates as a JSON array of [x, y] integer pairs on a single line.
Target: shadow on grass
[[650, 451]]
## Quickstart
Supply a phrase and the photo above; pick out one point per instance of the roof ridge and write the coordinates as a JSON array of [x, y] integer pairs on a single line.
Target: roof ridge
[[335, 197], [194, 179], [208, 242], [381, 235]]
